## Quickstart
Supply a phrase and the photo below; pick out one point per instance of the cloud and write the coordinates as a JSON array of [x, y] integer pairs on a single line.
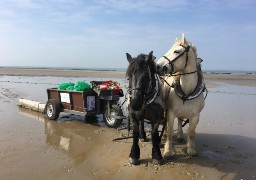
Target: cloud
[[151, 6], [89, 32], [223, 5], [143, 6], [27, 4]]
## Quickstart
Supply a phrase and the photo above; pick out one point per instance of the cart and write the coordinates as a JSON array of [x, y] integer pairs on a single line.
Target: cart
[[86, 103]]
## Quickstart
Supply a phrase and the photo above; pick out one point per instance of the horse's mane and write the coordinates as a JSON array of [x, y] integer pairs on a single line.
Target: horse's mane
[[193, 47], [137, 65]]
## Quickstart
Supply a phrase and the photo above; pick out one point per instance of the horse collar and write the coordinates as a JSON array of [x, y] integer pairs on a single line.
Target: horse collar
[[154, 90], [200, 87]]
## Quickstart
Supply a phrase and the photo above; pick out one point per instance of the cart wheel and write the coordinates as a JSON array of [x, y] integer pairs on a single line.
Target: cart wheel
[[111, 121], [52, 109]]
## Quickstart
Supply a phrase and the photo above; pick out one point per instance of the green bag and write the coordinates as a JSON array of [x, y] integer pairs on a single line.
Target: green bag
[[64, 86], [70, 88], [82, 86]]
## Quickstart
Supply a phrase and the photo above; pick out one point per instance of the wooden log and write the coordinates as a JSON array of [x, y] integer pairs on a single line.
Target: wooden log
[[32, 105]]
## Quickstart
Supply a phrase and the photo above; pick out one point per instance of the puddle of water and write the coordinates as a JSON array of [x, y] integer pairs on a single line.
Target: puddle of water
[[211, 155]]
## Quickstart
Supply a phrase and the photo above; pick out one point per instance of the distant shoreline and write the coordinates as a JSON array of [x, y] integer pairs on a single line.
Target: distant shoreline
[[116, 69], [229, 72], [63, 68], [243, 79], [107, 73]]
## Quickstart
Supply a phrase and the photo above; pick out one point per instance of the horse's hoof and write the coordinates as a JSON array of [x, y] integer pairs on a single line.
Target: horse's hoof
[[169, 155], [169, 158], [156, 162], [134, 161], [181, 140], [192, 153], [191, 156], [143, 139]]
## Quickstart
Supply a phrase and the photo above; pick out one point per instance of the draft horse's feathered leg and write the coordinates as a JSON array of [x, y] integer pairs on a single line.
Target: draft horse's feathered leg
[[142, 131], [135, 150], [156, 153]]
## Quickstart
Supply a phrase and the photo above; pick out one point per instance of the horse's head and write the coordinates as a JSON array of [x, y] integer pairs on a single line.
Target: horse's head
[[176, 59], [139, 74]]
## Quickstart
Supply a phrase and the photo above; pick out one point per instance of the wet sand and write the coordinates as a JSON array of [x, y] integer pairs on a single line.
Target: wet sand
[[33, 147], [60, 73]]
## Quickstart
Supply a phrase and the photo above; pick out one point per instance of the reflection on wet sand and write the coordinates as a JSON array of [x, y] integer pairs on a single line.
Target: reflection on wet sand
[[32, 114], [91, 150], [71, 136]]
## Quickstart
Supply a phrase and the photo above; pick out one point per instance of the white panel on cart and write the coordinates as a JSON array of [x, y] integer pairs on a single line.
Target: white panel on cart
[[90, 103], [64, 97]]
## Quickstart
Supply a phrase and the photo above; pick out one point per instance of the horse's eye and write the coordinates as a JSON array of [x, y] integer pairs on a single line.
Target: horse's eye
[[177, 51]]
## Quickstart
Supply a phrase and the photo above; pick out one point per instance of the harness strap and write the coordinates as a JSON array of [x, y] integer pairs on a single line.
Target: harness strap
[[176, 58], [197, 91], [166, 82], [155, 92], [184, 73], [200, 87]]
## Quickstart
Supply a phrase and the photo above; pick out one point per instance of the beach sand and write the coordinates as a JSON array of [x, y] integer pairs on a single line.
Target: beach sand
[[33, 147]]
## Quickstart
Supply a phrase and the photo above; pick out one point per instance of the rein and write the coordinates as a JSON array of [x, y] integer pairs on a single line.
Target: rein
[[183, 73]]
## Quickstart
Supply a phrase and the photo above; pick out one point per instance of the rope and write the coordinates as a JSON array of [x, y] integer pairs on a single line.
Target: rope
[[184, 73]]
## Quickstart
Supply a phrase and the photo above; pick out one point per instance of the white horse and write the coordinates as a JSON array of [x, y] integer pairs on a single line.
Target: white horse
[[184, 88]]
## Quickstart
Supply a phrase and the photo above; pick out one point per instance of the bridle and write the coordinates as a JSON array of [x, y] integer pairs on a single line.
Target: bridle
[[151, 92], [171, 62], [142, 90]]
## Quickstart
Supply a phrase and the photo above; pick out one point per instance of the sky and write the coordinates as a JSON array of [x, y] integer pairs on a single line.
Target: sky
[[98, 33]]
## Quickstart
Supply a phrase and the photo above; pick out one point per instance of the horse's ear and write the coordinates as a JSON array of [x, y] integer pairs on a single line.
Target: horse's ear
[[151, 57], [199, 60], [129, 57], [183, 39]]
